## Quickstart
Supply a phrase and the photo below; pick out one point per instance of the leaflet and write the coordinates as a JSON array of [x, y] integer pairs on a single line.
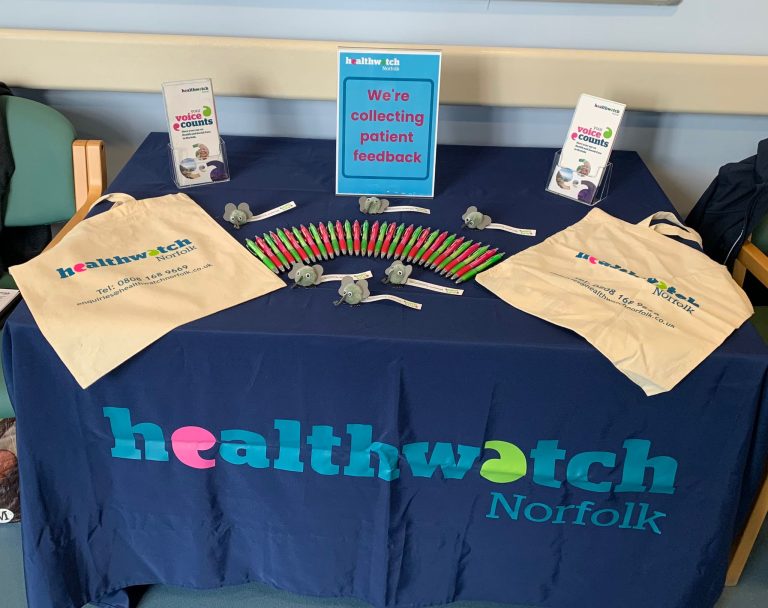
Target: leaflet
[[198, 157], [7, 297], [587, 149]]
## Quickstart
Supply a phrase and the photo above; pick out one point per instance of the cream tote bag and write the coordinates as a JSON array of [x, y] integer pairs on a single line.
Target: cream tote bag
[[654, 306], [120, 280]]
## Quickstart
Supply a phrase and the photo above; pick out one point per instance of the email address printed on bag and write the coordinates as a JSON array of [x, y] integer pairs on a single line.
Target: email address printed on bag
[[126, 283], [628, 303]]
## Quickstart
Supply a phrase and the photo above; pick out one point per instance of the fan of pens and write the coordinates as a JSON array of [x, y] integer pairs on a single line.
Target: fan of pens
[[452, 256]]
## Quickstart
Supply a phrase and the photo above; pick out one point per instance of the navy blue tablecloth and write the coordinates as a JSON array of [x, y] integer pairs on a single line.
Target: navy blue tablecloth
[[466, 451]]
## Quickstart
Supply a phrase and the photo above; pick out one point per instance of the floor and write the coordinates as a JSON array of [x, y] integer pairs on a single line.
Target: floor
[[752, 591]]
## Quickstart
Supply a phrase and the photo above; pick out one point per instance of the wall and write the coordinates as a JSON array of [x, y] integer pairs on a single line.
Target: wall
[[683, 151]]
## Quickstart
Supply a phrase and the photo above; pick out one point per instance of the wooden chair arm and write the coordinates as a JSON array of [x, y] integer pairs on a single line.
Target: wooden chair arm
[[752, 259], [89, 165]]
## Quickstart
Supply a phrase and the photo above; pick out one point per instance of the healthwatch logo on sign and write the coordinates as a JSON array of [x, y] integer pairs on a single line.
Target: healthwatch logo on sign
[[386, 61], [387, 122]]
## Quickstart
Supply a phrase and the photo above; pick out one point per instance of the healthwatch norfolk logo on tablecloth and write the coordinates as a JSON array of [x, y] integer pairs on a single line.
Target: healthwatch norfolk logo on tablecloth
[[354, 452], [387, 122]]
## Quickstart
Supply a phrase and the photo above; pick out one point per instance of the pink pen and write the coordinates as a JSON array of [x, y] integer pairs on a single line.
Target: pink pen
[[342, 238], [326, 239], [403, 241], [356, 233], [297, 246], [268, 251], [310, 241], [388, 238], [283, 249], [468, 252], [438, 241], [418, 244], [373, 237], [475, 263], [451, 248]]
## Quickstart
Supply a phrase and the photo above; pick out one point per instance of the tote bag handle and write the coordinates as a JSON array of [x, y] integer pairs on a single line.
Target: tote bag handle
[[118, 198], [689, 234]]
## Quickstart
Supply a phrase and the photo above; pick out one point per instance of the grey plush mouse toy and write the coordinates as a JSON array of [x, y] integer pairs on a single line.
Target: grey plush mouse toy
[[373, 204], [237, 216], [474, 219], [305, 276], [353, 292], [397, 273]]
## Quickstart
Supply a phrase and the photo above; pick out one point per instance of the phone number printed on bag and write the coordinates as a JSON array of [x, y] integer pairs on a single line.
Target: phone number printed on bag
[[628, 303], [127, 283]]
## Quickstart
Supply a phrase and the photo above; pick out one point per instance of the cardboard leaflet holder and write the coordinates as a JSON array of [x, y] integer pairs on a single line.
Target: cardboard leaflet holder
[[582, 170], [195, 150]]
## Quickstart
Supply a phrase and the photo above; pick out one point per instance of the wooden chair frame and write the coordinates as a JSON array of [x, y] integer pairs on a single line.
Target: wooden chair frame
[[89, 166], [750, 259]]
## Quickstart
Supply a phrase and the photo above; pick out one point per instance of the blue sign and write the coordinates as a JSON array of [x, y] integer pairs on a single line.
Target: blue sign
[[387, 122]]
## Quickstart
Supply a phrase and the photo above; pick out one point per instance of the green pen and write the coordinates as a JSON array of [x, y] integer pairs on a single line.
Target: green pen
[[288, 245], [364, 239], [334, 240], [488, 263], [380, 240], [254, 248], [318, 241], [411, 243], [430, 239], [395, 240], [468, 260], [276, 250], [459, 250], [443, 247], [348, 234], [303, 243]]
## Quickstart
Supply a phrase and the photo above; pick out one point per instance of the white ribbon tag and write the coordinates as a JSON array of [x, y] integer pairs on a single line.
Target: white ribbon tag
[[433, 287], [512, 229], [337, 277], [404, 302], [397, 208], [272, 212]]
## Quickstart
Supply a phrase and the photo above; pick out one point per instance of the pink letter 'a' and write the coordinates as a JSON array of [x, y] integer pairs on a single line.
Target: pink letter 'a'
[[187, 443]]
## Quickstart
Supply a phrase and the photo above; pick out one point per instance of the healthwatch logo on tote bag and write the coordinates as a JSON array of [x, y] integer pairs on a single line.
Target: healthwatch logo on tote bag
[[159, 253], [350, 453]]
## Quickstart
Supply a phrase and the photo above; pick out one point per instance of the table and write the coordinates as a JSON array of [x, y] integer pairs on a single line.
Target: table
[[467, 451]]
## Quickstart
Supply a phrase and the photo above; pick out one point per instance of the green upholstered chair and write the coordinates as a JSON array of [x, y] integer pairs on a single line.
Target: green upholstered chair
[[752, 257], [55, 175]]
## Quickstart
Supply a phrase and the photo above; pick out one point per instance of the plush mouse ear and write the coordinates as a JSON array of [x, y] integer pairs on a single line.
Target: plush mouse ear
[[469, 210], [408, 271], [363, 284], [345, 281], [292, 271], [388, 270], [228, 209], [362, 199], [318, 271]]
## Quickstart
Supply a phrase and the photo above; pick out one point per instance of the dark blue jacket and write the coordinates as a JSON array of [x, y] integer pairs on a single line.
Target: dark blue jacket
[[733, 205]]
